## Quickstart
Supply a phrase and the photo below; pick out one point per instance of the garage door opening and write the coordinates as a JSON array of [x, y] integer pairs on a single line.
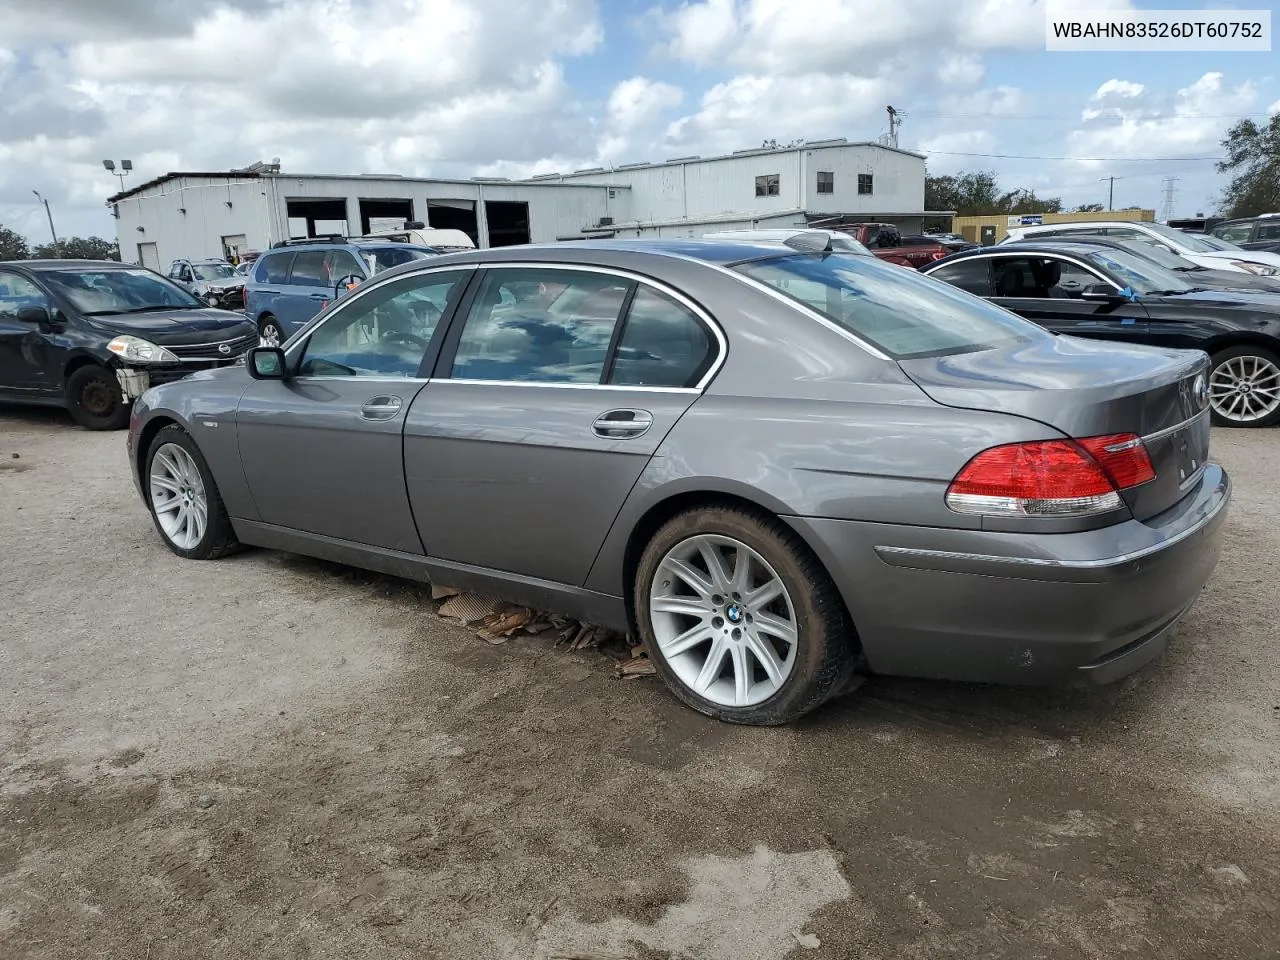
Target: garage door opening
[[316, 218], [454, 215], [384, 214], [508, 222]]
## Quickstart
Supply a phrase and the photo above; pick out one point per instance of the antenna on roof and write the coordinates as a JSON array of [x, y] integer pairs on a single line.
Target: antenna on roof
[[810, 241]]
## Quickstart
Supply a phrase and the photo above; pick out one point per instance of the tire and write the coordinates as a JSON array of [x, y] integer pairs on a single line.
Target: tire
[[269, 329], [95, 400], [812, 669], [1244, 387], [208, 541]]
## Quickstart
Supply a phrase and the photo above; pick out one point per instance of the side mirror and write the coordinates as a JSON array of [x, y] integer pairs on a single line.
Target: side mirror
[[1100, 293], [38, 315], [266, 363], [345, 285]]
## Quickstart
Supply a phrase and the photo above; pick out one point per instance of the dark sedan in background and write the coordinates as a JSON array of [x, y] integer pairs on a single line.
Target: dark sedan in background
[[92, 336], [771, 462], [1109, 294]]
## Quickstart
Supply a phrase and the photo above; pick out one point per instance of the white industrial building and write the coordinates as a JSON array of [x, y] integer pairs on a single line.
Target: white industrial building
[[198, 215]]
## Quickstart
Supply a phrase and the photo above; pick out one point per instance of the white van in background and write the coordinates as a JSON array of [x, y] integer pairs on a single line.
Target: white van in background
[[419, 233]]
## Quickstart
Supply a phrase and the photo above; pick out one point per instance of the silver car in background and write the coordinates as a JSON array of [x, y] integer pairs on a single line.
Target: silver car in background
[[774, 464]]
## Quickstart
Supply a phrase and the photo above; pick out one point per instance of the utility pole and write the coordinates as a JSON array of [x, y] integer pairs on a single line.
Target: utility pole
[[1166, 212], [48, 213], [894, 123], [1111, 192]]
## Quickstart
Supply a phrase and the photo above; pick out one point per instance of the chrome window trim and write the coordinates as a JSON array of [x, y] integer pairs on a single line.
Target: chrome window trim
[[722, 343], [566, 386], [1029, 253]]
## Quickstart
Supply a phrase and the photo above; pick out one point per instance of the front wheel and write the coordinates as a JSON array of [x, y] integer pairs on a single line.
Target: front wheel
[[95, 400], [740, 618], [184, 501], [1244, 387]]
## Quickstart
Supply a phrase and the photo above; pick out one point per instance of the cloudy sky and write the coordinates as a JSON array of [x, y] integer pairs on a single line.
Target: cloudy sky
[[516, 87]]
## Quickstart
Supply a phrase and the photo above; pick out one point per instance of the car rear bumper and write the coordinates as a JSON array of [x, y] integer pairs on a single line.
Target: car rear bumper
[[1024, 608]]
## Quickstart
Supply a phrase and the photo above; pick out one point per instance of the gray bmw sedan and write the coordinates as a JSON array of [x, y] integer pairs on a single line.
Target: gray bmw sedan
[[774, 464]]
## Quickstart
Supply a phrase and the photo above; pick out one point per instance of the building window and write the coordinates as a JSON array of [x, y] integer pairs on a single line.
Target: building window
[[826, 181], [767, 186], [864, 184]]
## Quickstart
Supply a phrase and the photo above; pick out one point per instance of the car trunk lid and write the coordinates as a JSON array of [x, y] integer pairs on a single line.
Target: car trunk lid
[[1086, 388]]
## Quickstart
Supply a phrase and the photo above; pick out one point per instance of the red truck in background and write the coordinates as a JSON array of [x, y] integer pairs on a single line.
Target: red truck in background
[[884, 240]]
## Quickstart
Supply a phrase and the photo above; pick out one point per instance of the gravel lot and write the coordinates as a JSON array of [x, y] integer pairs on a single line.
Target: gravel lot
[[269, 756]]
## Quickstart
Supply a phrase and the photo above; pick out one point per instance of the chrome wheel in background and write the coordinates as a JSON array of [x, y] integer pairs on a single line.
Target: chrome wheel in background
[[723, 620], [1245, 388], [178, 496]]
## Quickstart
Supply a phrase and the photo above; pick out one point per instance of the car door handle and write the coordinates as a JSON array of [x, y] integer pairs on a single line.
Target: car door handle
[[622, 424], [381, 408], [319, 296]]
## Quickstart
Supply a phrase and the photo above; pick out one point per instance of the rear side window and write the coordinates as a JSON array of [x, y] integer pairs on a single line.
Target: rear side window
[[1267, 231], [662, 344], [309, 270], [901, 312], [972, 276], [274, 268], [540, 326]]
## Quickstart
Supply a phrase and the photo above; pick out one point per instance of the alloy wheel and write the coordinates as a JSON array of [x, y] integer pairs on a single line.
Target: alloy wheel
[[1245, 388], [270, 335], [723, 620], [178, 496]]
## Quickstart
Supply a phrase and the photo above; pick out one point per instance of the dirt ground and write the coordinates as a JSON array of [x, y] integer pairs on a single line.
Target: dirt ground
[[269, 757]]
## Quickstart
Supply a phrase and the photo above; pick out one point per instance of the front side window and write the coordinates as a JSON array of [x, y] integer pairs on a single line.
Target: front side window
[[97, 292], [1268, 231], [384, 333], [1140, 275], [1041, 278], [865, 184], [1236, 232], [768, 185], [826, 181], [18, 293], [901, 312], [540, 325], [340, 264], [972, 276], [175, 271], [309, 269], [662, 344]]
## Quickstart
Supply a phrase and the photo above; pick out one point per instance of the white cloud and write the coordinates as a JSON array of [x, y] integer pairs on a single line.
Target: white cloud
[[1274, 108], [1120, 88], [962, 70]]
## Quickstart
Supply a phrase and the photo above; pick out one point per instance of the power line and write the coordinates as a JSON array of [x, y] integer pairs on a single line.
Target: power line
[[1166, 212], [938, 115], [1018, 156]]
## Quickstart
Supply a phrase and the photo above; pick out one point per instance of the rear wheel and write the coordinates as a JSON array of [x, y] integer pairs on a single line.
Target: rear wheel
[[184, 501], [1244, 387], [739, 617], [95, 400], [271, 332]]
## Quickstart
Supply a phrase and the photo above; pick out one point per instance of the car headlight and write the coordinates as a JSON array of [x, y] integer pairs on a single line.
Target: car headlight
[[1260, 269], [140, 351]]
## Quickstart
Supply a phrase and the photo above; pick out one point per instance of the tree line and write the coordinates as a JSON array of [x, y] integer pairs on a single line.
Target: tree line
[[14, 246]]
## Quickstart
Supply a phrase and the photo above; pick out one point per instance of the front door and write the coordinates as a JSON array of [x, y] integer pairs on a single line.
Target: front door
[[323, 450], [22, 343], [519, 456], [1047, 290]]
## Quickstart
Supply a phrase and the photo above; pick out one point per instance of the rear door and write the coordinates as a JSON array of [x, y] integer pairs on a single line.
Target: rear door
[[307, 292], [269, 284], [1047, 289], [556, 386], [322, 451]]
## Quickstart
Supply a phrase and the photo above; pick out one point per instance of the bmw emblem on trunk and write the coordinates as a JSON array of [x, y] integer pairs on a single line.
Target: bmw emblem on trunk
[[1200, 391], [224, 348]]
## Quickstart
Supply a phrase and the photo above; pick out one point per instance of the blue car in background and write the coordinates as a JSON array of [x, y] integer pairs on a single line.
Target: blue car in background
[[296, 279]]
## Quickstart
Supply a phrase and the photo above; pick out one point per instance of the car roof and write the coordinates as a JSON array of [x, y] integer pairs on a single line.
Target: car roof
[[1022, 248], [76, 264]]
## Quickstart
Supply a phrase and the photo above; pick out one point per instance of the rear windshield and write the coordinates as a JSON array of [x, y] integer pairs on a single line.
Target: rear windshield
[[905, 314]]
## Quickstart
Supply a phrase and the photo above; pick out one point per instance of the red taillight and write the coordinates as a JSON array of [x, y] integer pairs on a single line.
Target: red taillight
[[1051, 478]]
